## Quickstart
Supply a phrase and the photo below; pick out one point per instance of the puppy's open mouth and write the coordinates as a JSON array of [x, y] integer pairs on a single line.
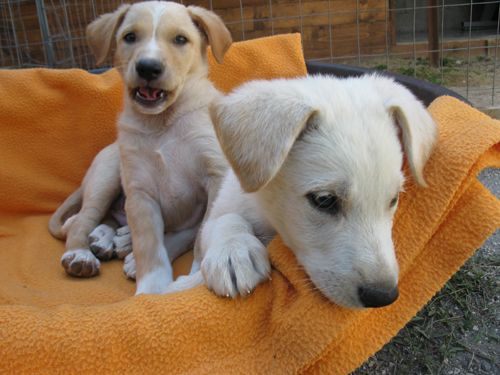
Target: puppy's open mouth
[[149, 96]]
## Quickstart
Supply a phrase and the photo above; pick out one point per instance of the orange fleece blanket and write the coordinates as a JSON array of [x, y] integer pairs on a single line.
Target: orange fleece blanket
[[53, 122]]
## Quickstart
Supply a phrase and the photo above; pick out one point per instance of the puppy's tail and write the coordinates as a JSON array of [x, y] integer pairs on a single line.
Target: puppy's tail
[[69, 208], [186, 282]]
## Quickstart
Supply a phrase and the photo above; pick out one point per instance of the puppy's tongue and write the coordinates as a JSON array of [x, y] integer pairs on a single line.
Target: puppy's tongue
[[149, 93]]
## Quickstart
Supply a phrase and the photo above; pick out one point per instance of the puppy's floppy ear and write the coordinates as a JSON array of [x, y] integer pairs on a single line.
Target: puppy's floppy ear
[[101, 32], [419, 131], [257, 126], [218, 35]]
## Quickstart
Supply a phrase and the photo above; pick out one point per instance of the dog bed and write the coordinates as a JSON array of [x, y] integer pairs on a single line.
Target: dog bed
[[52, 124]]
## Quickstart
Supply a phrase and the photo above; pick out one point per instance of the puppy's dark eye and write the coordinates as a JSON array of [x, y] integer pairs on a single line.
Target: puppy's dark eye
[[180, 40], [130, 38], [325, 202], [394, 201]]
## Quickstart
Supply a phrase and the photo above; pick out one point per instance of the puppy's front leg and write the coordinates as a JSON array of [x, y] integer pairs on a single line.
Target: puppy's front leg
[[213, 187], [235, 261], [153, 272]]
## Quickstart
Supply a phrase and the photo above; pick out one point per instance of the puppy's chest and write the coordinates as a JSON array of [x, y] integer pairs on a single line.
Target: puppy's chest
[[171, 167]]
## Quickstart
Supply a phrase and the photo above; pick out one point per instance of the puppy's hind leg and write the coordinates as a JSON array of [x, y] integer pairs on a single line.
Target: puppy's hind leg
[[65, 213], [79, 260], [100, 187], [185, 282], [179, 243], [107, 239]]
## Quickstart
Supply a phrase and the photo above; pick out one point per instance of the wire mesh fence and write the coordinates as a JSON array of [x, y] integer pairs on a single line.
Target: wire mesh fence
[[449, 42]]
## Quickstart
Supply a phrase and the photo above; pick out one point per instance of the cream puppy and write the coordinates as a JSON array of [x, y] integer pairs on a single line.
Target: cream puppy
[[319, 161], [166, 156]]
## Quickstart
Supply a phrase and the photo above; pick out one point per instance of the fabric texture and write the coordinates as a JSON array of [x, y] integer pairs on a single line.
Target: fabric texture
[[52, 123]]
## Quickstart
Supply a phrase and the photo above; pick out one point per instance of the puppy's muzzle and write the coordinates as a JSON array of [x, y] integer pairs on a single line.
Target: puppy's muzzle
[[149, 69], [148, 94], [377, 296]]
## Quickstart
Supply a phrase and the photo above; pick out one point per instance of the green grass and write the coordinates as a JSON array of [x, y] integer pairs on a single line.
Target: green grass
[[422, 69], [452, 73], [422, 72], [380, 67]]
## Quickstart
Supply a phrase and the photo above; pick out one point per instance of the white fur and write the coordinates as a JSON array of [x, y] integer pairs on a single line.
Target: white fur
[[152, 49], [287, 138], [175, 242], [129, 266], [84, 210], [122, 242], [155, 281], [67, 224], [101, 241]]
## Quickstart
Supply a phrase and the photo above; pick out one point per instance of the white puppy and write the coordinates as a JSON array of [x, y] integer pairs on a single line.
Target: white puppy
[[319, 161]]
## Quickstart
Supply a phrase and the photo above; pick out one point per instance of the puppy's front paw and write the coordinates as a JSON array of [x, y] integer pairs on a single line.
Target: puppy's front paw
[[101, 241], [154, 282], [129, 266], [80, 263], [236, 266], [123, 242]]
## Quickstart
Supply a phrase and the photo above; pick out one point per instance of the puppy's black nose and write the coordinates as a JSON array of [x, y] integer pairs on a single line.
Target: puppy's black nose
[[377, 296], [149, 69]]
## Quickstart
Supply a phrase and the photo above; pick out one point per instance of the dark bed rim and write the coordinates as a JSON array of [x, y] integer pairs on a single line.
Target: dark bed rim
[[425, 91]]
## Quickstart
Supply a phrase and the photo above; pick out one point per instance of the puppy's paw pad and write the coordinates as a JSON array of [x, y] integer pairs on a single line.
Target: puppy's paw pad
[[80, 263], [236, 266], [129, 266], [101, 241], [123, 242]]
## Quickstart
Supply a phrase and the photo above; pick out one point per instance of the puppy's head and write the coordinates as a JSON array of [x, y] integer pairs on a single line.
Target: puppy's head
[[325, 160], [159, 45]]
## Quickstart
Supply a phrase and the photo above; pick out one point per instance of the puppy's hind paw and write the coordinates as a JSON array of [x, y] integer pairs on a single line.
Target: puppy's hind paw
[[236, 266], [101, 241], [123, 242], [80, 263], [129, 266]]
